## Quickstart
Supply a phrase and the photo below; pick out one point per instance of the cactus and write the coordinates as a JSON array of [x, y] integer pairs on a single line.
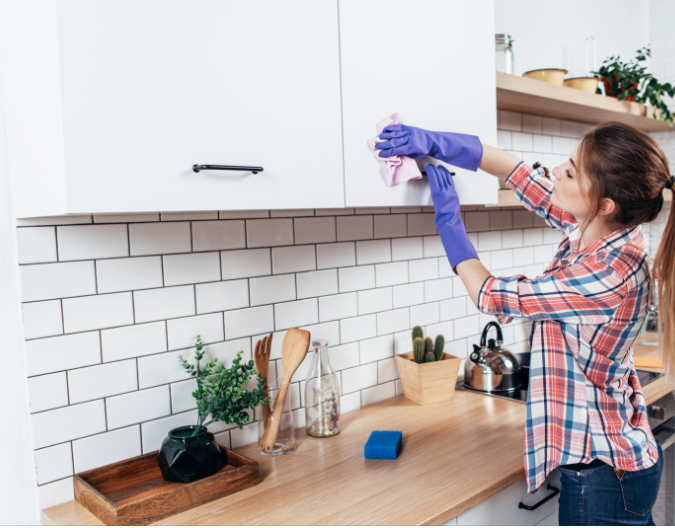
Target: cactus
[[428, 346], [438, 347], [417, 332], [418, 350], [430, 357]]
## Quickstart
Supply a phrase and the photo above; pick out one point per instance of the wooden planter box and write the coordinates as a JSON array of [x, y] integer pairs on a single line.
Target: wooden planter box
[[133, 492], [426, 383]]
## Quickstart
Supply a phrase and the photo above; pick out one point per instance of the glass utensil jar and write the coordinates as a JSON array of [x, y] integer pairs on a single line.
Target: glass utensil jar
[[504, 53], [322, 394], [285, 441]]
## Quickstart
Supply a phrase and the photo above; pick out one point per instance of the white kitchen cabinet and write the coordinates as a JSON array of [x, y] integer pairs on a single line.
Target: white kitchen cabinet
[[109, 104], [430, 61], [502, 508]]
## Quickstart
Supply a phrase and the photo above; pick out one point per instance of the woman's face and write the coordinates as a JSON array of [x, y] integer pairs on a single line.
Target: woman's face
[[568, 193]]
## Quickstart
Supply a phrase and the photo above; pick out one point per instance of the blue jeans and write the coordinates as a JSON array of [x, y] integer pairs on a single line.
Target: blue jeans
[[597, 497]]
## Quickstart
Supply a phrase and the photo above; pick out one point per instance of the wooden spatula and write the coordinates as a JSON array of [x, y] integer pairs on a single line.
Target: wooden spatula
[[293, 352], [261, 358]]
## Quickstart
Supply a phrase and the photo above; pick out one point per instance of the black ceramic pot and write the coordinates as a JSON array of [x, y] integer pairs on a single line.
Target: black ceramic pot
[[185, 458]]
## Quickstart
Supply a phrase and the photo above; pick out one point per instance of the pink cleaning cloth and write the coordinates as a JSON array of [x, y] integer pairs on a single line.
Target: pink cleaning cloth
[[395, 169]]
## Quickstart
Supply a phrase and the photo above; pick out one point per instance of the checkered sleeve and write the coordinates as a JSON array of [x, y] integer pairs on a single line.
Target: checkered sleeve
[[588, 292], [533, 189]]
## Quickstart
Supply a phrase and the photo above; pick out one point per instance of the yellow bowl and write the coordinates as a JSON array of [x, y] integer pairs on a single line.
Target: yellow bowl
[[586, 84], [549, 75]]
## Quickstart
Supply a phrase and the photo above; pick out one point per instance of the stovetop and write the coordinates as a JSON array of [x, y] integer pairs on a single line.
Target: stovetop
[[520, 395]]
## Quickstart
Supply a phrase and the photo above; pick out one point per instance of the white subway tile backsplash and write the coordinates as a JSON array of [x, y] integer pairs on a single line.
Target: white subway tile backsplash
[[344, 356], [181, 332], [68, 423], [354, 228], [523, 256], [336, 307], [279, 213], [387, 371], [48, 392], [36, 244], [377, 300], [356, 278], [56, 493], [160, 238], [359, 378], [542, 144], [335, 255], [522, 219], [40, 282], [92, 241], [489, 240], [245, 263], [123, 218], [54, 220], [376, 349], [522, 141], [421, 224], [191, 268], [445, 328], [293, 258], [569, 128], [550, 126], [466, 326], [164, 303], [54, 354], [248, 434], [407, 248], [106, 448], [378, 393], [267, 290], [338, 211], [127, 274], [373, 251], [315, 230], [561, 145], [251, 213], [504, 139], [533, 237], [358, 328], [408, 294], [477, 221], [458, 288], [99, 381], [54, 463], [393, 321], [160, 369], [552, 236], [154, 432], [437, 290], [316, 283], [141, 406], [531, 123], [349, 402], [133, 341], [424, 314], [272, 232], [296, 314], [42, 319], [219, 234], [221, 296], [512, 239], [249, 321], [181, 397], [501, 220], [424, 269], [390, 226], [97, 311], [390, 274], [189, 215], [510, 120], [433, 247]]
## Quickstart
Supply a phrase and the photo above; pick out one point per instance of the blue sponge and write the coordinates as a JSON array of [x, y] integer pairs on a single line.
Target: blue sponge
[[383, 445]]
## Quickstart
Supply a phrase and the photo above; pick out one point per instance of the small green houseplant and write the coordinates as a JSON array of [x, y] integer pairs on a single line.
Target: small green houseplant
[[426, 350], [630, 81], [191, 452]]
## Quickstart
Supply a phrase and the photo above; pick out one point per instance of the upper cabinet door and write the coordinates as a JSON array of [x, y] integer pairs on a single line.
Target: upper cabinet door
[[111, 102], [430, 61]]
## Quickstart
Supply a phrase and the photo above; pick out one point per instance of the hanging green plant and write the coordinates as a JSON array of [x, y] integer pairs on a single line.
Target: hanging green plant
[[629, 81]]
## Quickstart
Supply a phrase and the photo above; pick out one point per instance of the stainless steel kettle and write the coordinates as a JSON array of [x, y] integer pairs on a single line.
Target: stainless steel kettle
[[490, 367]]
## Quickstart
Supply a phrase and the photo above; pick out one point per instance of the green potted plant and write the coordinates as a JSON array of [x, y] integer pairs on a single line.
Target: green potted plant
[[428, 374], [191, 452], [629, 81]]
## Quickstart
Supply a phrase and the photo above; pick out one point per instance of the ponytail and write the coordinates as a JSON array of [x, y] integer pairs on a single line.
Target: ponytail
[[664, 274]]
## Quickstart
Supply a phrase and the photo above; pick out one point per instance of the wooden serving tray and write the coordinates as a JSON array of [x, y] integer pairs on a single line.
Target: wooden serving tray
[[133, 492]]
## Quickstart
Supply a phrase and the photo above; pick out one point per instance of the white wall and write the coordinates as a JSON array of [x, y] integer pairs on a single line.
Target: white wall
[[18, 489], [552, 34]]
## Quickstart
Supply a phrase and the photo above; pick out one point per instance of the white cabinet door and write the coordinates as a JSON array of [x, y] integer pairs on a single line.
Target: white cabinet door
[[502, 508], [430, 61], [131, 94]]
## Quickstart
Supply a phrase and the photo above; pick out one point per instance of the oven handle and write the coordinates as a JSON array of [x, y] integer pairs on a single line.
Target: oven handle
[[667, 427]]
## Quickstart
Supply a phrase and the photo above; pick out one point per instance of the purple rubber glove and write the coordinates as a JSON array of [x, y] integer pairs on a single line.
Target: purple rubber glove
[[460, 150], [448, 220]]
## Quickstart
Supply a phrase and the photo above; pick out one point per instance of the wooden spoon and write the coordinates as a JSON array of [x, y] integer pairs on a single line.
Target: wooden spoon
[[261, 358], [293, 352]]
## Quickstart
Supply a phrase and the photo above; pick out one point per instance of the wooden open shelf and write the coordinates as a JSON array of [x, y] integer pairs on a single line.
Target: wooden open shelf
[[520, 94]]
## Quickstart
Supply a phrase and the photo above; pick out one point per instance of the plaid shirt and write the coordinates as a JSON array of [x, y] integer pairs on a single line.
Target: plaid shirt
[[584, 401]]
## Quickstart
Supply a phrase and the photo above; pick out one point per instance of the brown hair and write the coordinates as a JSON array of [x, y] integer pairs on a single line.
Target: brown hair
[[626, 165]]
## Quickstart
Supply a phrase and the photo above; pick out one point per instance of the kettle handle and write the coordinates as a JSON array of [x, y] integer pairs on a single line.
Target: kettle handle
[[483, 337]]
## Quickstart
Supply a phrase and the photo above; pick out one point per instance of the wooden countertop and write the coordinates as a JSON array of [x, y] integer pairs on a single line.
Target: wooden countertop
[[455, 455]]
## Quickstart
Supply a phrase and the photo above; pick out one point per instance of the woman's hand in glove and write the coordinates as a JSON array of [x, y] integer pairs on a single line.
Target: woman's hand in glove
[[461, 150]]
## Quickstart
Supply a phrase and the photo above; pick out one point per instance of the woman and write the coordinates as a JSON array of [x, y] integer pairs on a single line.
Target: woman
[[586, 412]]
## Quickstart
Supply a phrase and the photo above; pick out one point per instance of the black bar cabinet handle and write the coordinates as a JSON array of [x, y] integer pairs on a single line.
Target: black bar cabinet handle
[[254, 170], [542, 501], [425, 173]]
